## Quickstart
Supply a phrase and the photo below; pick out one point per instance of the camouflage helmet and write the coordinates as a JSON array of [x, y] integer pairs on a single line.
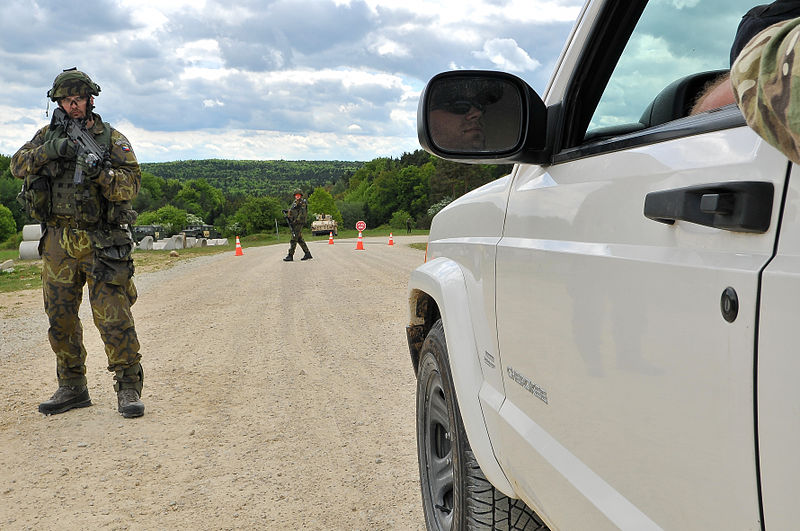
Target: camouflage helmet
[[72, 82], [298, 191]]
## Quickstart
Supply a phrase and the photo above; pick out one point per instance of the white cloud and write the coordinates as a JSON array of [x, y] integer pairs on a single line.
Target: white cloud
[[262, 145], [287, 72], [680, 4], [204, 53], [505, 54], [388, 47]]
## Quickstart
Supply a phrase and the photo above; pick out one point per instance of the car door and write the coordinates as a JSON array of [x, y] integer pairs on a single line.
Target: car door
[[627, 310], [777, 368]]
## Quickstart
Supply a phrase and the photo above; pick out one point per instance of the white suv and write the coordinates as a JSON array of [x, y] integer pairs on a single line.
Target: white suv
[[604, 339]]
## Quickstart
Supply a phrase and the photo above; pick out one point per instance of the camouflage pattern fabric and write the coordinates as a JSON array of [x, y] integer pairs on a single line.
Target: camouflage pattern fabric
[[762, 78], [68, 260], [72, 82], [99, 256], [298, 213], [31, 158]]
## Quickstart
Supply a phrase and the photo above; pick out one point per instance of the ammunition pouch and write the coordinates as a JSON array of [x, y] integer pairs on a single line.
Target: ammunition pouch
[[35, 197], [113, 260], [88, 204]]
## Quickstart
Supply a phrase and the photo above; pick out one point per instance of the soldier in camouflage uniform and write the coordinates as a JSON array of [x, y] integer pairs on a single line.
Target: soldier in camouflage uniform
[[296, 217], [85, 240], [762, 77]]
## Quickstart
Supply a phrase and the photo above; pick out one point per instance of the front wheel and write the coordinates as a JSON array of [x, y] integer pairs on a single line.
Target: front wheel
[[455, 493]]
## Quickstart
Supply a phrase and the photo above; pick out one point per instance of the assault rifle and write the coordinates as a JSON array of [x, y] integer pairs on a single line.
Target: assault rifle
[[89, 153], [288, 222]]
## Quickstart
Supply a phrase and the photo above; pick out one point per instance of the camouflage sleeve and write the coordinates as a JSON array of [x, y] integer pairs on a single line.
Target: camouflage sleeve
[[123, 184], [30, 157], [762, 78]]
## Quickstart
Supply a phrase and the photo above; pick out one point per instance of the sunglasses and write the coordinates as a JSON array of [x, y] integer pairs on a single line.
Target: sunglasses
[[461, 106], [75, 100]]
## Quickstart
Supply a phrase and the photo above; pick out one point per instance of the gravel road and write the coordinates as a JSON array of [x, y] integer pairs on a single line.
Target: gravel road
[[278, 396]]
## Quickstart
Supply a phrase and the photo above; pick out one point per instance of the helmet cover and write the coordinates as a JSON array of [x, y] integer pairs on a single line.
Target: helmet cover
[[72, 82]]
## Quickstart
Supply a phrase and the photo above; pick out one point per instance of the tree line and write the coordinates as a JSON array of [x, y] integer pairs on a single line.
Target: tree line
[[247, 197]]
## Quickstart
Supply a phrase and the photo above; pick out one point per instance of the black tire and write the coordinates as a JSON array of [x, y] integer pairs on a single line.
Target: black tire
[[455, 493]]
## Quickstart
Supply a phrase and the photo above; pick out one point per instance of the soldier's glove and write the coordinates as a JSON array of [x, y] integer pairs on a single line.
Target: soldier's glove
[[60, 148], [91, 166]]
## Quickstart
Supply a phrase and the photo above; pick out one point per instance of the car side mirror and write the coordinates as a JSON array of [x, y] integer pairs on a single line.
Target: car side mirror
[[482, 117]]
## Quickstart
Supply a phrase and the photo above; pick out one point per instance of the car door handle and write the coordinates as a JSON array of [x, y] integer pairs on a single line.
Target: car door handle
[[744, 206]]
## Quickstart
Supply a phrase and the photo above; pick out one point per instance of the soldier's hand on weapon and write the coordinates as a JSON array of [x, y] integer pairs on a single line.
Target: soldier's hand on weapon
[[63, 148], [90, 165]]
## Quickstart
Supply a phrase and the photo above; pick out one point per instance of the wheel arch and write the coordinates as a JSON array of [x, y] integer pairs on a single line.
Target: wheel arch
[[437, 290]]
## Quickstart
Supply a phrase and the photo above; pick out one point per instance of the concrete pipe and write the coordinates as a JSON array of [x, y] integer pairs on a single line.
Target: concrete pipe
[[176, 242], [31, 233], [146, 244], [29, 250]]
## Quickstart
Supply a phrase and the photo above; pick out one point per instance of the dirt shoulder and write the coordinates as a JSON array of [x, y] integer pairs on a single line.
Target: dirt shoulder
[[278, 396]]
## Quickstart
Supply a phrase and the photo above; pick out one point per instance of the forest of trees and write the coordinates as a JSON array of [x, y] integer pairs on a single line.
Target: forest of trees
[[254, 177], [246, 197]]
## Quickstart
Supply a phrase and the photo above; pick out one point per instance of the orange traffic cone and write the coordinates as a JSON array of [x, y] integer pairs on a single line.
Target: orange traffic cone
[[330, 238], [238, 247], [360, 244], [391, 241]]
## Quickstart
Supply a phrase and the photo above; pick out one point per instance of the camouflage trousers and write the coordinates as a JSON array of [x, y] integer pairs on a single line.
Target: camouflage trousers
[[68, 258], [297, 238]]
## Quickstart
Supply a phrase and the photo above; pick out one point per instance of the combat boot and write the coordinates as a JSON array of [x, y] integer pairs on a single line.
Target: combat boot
[[288, 258], [128, 403], [306, 256], [65, 398]]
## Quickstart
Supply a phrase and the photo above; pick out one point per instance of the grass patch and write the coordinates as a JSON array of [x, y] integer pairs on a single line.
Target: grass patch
[[420, 246], [27, 273], [8, 254]]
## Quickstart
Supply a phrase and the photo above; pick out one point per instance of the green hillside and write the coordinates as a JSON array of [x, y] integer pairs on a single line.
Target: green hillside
[[256, 177]]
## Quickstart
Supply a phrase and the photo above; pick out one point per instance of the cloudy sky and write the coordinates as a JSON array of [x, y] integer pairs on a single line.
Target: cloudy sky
[[264, 79]]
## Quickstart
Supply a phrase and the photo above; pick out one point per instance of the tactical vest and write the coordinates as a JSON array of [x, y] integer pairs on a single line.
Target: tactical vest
[[82, 202]]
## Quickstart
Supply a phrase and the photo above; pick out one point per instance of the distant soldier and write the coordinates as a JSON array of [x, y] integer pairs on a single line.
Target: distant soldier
[[296, 218], [85, 216]]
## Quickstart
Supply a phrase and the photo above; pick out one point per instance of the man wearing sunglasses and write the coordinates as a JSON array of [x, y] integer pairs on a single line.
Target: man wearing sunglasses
[[456, 114], [85, 240]]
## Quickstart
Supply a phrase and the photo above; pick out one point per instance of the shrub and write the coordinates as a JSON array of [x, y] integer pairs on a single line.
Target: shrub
[[399, 218], [8, 226]]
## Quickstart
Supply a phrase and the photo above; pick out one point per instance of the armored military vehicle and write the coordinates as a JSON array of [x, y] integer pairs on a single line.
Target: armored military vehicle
[[201, 231], [154, 231], [324, 224]]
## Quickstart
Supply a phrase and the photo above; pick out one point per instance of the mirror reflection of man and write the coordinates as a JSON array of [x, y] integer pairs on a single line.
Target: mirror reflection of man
[[456, 112]]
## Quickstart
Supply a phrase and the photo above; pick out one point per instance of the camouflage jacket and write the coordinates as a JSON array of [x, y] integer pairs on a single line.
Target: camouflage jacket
[[298, 212], [123, 186], [762, 78]]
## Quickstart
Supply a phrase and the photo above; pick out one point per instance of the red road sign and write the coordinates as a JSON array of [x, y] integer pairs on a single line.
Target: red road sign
[[361, 226]]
